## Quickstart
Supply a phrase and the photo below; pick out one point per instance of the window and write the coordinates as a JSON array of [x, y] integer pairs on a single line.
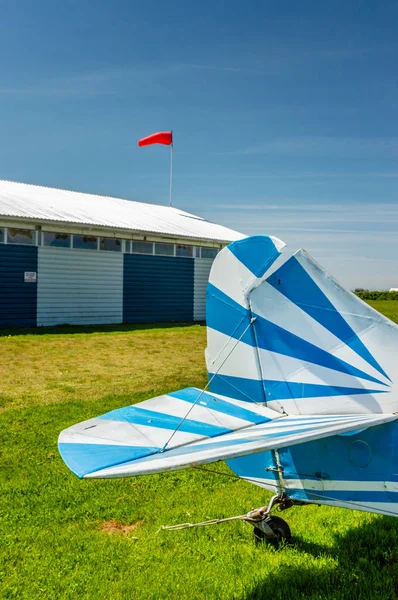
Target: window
[[142, 247], [110, 244], [88, 242], [2, 236], [182, 250], [20, 236], [127, 246], [59, 240], [165, 249], [209, 252]]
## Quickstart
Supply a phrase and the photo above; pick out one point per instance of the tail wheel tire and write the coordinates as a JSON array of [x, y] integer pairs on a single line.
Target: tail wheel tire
[[280, 529]]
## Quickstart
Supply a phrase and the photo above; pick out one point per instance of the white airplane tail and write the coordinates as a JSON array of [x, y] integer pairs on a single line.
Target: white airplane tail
[[295, 340]]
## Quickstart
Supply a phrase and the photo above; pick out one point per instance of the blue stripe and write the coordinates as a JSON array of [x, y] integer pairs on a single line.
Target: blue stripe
[[257, 253], [345, 495], [217, 404], [239, 388], [276, 339], [363, 478], [87, 458], [142, 416], [250, 390], [293, 281], [229, 317], [283, 390], [225, 315]]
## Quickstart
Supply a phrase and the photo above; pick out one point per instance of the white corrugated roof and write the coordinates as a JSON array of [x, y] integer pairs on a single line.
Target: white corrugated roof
[[50, 204]]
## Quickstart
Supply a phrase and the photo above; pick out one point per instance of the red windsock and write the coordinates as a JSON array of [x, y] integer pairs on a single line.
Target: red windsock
[[163, 137]]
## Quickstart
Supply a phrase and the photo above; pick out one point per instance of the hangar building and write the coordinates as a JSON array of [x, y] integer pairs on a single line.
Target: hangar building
[[73, 258]]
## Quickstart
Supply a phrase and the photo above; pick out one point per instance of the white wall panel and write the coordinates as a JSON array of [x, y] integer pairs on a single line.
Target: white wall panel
[[79, 287], [201, 277]]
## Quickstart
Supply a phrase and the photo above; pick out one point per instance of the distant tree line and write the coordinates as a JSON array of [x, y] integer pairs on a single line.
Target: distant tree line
[[376, 295]]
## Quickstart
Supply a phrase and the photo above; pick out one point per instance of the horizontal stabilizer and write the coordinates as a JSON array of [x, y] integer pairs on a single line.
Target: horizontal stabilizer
[[171, 420], [135, 458]]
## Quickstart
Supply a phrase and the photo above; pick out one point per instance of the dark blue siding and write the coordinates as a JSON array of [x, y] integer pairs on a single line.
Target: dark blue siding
[[18, 300], [157, 289]]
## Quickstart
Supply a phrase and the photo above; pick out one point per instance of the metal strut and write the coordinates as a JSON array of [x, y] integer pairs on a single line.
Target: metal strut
[[207, 385]]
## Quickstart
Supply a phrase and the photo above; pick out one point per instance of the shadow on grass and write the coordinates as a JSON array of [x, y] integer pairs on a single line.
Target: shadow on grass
[[366, 566], [86, 329]]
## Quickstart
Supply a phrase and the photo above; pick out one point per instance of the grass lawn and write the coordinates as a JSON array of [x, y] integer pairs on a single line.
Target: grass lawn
[[61, 537]]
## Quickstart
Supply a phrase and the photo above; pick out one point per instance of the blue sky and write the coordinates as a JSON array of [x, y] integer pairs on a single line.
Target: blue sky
[[284, 114]]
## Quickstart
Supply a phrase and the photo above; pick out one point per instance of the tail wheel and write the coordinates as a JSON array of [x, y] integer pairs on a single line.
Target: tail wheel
[[280, 530]]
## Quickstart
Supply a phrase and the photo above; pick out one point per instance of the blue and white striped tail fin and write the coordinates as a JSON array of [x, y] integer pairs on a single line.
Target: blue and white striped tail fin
[[295, 339]]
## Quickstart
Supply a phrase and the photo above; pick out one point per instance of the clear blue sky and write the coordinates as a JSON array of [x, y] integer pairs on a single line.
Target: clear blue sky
[[284, 114]]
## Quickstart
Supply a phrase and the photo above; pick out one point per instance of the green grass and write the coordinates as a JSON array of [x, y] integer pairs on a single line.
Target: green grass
[[61, 537], [389, 308]]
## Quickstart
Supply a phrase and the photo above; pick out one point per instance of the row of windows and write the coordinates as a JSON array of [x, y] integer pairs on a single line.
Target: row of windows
[[170, 249], [89, 242]]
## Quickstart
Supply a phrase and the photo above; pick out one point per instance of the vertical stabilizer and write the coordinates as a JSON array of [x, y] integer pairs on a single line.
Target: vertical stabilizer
[[295, 338]]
